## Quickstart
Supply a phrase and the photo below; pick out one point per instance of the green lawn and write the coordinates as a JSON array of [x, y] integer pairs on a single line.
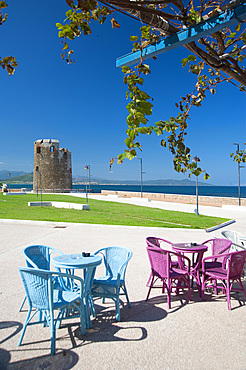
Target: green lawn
[[101, 212]]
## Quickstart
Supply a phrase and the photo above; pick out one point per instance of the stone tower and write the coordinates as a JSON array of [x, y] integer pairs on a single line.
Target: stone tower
[[52, 166]]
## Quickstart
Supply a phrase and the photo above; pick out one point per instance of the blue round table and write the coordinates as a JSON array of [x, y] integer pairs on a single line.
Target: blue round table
[[70, 262]]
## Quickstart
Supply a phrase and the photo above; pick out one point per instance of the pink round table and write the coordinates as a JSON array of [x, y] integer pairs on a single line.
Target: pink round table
[[197, 251]]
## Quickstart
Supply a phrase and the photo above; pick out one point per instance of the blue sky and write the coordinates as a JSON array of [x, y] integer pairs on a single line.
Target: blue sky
[[83, 105]]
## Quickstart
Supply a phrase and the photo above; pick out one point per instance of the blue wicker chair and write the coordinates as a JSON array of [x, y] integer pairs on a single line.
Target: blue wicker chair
[[38, 256], [112, 285], [44, 298]]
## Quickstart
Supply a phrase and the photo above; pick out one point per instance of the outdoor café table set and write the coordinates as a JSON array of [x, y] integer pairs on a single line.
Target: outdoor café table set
[[170, 265], [65, 290]]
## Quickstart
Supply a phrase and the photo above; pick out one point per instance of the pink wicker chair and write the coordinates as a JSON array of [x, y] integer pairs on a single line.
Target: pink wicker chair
[[218, 246], [162, 269], [230, 271], [155, 242]]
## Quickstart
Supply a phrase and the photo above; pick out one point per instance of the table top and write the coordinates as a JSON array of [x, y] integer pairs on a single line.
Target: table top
[[189, 247], [76, 261]]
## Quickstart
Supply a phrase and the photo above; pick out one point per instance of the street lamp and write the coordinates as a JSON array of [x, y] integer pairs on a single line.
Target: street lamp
[[39, 174], [141, 175], [9, 181], [86, 168], [196, 159], [238, 167], [37, 178], [89, 168]]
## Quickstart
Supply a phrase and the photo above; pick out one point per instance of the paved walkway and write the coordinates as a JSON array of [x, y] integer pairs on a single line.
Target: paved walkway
[[198, 334]]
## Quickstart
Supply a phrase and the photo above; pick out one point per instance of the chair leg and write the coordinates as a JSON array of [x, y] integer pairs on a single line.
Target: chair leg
[[150, 287], [215, 287], [25, 325], [202, 288], [149, 279], [39, 318], [22, 304], [198, 283], [82, 319], [92, 307], [228, 295], [87, 313], [163, 287], [117, 308], [169, 289], [189, 290], [53, 338], [126, 294], [60, 316]]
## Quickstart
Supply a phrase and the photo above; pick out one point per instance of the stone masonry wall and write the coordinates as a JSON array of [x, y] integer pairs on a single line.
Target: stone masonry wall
[[179, 198], [53, 164]]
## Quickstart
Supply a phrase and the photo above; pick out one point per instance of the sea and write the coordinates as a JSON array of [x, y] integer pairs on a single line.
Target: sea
[[215, 191]]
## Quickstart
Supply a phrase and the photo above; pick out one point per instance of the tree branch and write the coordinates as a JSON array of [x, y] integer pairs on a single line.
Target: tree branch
[[214, 63]]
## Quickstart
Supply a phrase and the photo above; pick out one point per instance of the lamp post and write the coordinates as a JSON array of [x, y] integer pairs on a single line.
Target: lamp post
[[196, 159], [141, 175], [89, 168], [9, 181], [37, 178], [41, 193], [238, 168], [86, 168]]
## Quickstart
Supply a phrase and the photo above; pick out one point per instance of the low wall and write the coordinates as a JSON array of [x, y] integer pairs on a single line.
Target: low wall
[[179, 198], [60, 205]]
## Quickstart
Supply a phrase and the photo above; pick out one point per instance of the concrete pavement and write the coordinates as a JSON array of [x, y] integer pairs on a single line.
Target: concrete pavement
[[198, 334]]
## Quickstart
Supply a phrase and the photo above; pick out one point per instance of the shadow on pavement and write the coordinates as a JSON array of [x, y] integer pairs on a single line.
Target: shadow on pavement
[[106, 329], [10, 325], [63, 360]]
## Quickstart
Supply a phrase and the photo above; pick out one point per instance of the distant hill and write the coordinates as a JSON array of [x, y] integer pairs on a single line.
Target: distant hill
[[171, 182], [22, 179], [4, 174], [167, 182]]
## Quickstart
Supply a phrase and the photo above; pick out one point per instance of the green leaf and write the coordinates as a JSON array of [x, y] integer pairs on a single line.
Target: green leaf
[[69, 13], [121, 157], [132, 154], [133, 38], [136, 45], [192, 58], [126, 69], [128, 142], [238, 27], [184, 61], [3, 4], [206, 176], [163, 143], [228, 42], [142, 130], [65, 46]]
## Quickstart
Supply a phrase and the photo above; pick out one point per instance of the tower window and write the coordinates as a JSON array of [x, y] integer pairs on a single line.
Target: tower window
[[52, 149], [39, 149]]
